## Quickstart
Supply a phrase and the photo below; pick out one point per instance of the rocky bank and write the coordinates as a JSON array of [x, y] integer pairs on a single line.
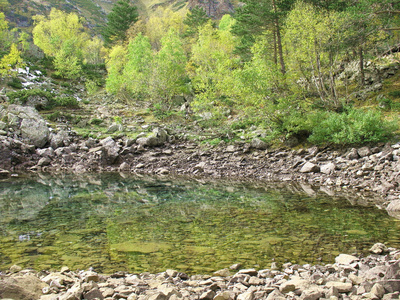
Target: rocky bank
[[28, 143], [376, 276]]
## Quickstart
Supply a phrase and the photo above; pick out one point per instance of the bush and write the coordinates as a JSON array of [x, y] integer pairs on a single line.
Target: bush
[[353, 126], [15, 83], [69, 102], [38, 98]]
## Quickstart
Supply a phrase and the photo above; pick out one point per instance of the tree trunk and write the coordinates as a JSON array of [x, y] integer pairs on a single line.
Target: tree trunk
[[278, 39], [361, 62]]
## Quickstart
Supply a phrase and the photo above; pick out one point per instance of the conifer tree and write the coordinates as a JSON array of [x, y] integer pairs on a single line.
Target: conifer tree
[[121, 17]]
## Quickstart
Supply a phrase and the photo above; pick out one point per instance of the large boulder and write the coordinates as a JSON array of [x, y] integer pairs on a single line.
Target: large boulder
[[156, 138], [28, 124], [27, 287]]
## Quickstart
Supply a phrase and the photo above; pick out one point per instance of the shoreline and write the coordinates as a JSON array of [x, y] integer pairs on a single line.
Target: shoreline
[[350, 277]]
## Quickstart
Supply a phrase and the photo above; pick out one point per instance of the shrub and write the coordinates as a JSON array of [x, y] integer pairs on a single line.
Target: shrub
[[15, 83], [353, 126], [36, 97], [69, 102], [96, 121]]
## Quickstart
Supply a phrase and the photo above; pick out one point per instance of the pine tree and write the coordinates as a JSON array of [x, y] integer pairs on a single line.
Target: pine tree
[[121, 17]]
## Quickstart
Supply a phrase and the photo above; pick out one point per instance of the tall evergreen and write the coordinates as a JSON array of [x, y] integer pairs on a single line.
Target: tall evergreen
[[121, 17]]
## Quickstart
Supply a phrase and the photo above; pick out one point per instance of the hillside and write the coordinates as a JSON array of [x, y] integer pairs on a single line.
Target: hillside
[[19, 12]]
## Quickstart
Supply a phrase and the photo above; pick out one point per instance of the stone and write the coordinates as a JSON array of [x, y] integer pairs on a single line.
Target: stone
[[378, 290], [311, 295], [44, 161], [352, 154], [346, 259], [60, 139], [276, 295], [342, 287], [171, 273], [364, 151], [223, 273], [21, 287], [287, 287], [94, 294], [114, 128], [251, 272], [32, 127], [256, 143], [378, 248], [309, 167], [246, 296], [225, 295], [328, 168], [208, 295]]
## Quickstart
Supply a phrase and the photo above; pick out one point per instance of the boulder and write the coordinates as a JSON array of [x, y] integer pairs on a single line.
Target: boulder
[[259, 144], [309, 167], [29, 124], [60, 139], [156, 138], [110, 149], [346, 259], [328, 168], [21, 287]]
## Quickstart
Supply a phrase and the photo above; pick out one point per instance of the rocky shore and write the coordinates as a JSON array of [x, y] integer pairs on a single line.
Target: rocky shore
[[29, 144], [376, 276]]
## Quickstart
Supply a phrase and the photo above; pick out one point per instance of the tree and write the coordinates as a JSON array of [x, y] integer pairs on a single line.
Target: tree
[[121, 17], [11, 61], [195, 18], [4, 33], [138, 67], [115, 64], [254, 19], [159, 24], [169, 75], [63, 37], [314, 41], [211, 67]]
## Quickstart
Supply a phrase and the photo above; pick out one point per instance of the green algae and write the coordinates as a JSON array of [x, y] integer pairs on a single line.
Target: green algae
[[113, 223]]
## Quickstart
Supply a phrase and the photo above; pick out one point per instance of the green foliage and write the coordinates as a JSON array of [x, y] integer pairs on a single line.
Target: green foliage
[[96, 121], [122, 16], [15, 83], [353, 126], [138, 67], [195, 18], [40, 97], [69, 102], [169, 75], [211, 67], [63, 37]]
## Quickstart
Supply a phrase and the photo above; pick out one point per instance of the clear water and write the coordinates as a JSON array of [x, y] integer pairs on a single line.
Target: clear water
[[114, 223]]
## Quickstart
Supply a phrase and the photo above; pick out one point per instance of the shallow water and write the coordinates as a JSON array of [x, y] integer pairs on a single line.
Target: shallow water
[[114, 223]]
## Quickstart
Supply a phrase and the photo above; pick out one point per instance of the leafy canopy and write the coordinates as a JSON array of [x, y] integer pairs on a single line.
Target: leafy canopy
[[122, 16]]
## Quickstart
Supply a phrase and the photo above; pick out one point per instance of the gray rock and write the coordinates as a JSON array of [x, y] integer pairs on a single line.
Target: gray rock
[[311, 295], [114, 128], [44, 161], [21, 287], [364, 151], [276, 295], [378, 290], [346, 259], [352, 154], [378, 248], [328, 168], [246, 296], [342, 287], [309, 167], [60, 139], [28, 122], [258, 144]]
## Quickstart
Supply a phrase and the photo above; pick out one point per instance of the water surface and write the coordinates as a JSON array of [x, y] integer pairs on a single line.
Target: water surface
[[112, 223]]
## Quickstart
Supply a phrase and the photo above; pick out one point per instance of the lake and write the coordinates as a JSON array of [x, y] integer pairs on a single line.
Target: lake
[[115, 222]]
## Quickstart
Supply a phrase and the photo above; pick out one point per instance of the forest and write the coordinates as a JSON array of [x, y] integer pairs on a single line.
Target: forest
[[307, 70]]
